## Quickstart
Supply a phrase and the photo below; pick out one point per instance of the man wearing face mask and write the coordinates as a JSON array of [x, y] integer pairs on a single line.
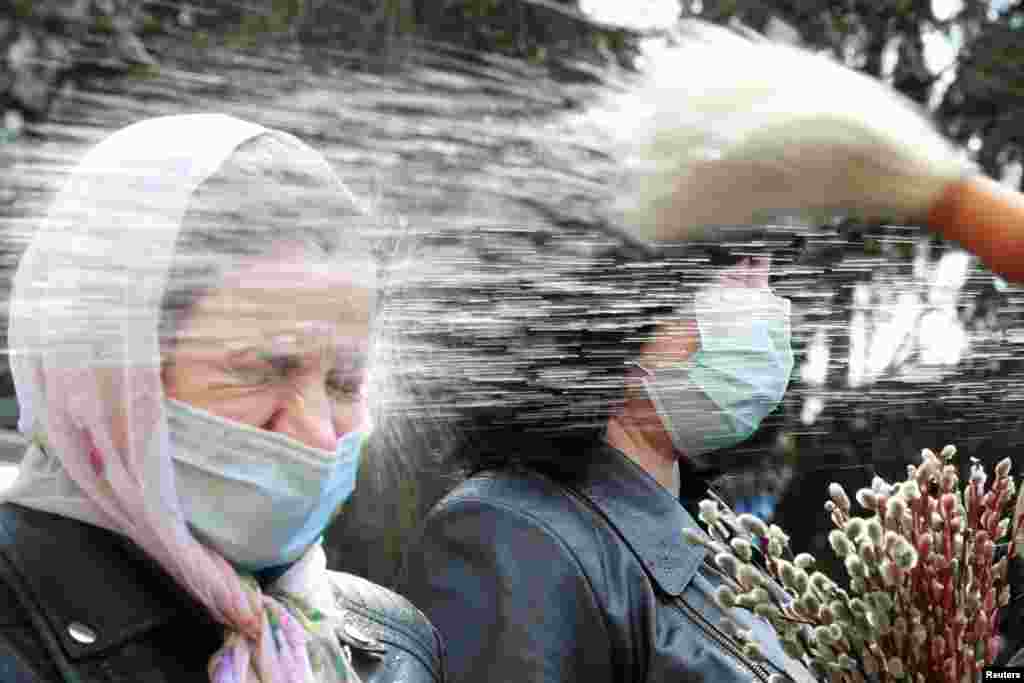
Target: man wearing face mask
[[705, 382], [570, 565]]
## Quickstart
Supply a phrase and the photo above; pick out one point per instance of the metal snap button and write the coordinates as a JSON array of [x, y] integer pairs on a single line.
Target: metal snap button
[[358, 635], [81, 633], [358, 638]]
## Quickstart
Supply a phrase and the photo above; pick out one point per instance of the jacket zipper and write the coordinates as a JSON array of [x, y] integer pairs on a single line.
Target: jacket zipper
[[721, 638]]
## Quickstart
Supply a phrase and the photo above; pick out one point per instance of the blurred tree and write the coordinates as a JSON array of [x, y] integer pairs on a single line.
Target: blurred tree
[[554, 32], [45, 44], [962, 59]]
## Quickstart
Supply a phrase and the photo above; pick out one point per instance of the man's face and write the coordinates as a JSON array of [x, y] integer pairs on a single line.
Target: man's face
[[672, 344]]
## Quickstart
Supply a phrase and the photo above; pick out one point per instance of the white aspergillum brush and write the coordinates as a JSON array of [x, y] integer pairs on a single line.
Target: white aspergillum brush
[[726, 130]]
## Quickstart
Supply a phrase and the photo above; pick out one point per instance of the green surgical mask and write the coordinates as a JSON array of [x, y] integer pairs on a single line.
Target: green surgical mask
[[718, 396]]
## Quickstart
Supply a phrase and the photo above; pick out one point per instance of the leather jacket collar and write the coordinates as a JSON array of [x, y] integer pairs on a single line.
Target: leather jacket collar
[[648, 518]]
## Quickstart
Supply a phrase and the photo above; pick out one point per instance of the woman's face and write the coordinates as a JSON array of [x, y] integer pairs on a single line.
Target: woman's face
[[281, 345]]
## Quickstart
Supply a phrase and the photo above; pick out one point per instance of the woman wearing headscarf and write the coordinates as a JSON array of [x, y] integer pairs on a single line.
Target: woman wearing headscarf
[[189, 333]]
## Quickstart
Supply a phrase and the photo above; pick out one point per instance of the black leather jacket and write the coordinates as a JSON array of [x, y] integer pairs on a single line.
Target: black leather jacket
[[537, 580], [79, 604]]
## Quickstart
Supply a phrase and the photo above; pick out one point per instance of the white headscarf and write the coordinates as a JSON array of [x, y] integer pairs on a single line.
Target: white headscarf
[[85, 354]]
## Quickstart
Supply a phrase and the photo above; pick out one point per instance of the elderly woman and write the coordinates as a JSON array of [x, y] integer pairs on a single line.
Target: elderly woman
[[189, 329]]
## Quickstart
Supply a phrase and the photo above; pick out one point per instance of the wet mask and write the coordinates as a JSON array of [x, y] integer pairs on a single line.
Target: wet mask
[[718, 396], [258, 498]]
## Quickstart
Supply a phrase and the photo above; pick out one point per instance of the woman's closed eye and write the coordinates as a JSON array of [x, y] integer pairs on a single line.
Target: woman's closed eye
[[343, 383], [346, 385], [263, 368], [254, 375]]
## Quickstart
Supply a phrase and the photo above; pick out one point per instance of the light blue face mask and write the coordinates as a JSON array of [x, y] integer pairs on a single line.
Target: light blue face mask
[[258, 498], [719, 395]]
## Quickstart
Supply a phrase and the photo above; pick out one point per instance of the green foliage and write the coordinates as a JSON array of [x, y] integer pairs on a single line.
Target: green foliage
[[22, 9], [104, 24], [905, 250], [283, 13], [539, 33], [266, 21], [200, 39], [250, 30], [479, 9], [150, 25], [143, 71], [400, 17]]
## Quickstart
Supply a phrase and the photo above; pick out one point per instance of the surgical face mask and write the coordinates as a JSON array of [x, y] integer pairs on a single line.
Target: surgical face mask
[[258, 498], [718, 396]]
